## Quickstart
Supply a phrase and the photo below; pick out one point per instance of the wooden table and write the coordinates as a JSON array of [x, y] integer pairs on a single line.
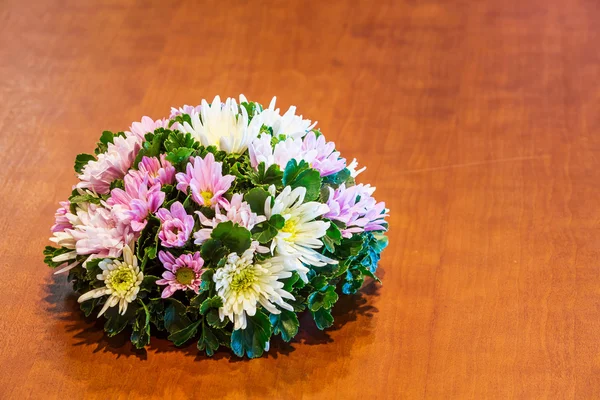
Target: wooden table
[[478, 121]]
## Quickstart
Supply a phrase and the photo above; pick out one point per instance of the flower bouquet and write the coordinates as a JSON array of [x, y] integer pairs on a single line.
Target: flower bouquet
[[219, 224]]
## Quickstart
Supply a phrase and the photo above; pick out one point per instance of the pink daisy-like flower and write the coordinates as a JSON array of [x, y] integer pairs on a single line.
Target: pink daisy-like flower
[[321, 155], [184, 110], [315, 151], [236, 211], [205, 180], [181, 273], [133, 205], [113, 164], [61, 221], [176, 225], [147, 125], [158, 171], [356, 208]]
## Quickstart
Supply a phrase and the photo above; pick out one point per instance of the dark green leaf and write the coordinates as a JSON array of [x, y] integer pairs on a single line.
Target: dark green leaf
[[208, 341], [252, 340], [212, 302], [256, 198], [324, 298], [235, 237], [81, 161], [181, 336], [323, 318], [285, 323], [140, 335], [175, 316]]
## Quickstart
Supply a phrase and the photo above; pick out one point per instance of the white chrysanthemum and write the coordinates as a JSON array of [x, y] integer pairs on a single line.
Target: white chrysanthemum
[[224, 125], [301, 234], [243, 284], [288, 124], [122, 280], [353, 168]]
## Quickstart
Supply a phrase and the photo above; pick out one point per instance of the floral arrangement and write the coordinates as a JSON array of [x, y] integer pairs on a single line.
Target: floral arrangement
[[219, 223]]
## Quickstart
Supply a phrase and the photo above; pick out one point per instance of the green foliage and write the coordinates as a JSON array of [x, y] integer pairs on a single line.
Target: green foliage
[[208, 342], [267, 230], [233, 236], [181, 119], [140, 335], [81, 161], [268, 176], [252, 340], [183, 335], [335, 180], [115, 322], [256, 198], [175, 317], [323, 318], [285, 324], [51, 252], [210, 303], [323, 298], [153, 146], [301, 175], [332, 238]]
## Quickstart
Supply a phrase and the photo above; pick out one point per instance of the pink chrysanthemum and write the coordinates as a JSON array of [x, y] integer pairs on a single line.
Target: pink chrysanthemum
[[158, 171], [356, 208], [321, 155], [133, 205], [236, 211], [184, 110], [111, 165], [61, 221], [147, 125], [176, 226], [205, 180], [181, 273]]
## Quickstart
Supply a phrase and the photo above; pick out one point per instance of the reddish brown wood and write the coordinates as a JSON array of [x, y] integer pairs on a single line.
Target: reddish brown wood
[[479, 124]]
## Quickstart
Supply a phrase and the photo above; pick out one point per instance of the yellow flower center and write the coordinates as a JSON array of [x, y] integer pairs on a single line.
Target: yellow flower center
[[291, 227], [121, 279], [185, 276], [206, 196], [243, 278]]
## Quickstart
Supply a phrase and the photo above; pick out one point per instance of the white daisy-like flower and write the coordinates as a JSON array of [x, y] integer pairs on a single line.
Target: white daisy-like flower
[[244, 284], [301, 234], [288, 124], [122, 280], [224, 125]]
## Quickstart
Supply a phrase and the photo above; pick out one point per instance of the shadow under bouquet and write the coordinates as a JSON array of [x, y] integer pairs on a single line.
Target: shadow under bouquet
[[218, 224]]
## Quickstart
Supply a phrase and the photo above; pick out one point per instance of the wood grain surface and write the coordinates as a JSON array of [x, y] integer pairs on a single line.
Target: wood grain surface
[[478, 121]]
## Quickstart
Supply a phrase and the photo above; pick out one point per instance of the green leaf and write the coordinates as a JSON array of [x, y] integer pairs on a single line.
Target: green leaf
[[176, 140], [214, 320], [51, 252], [301, 175], [88, 306], [179, 155], [175, 316], [115, 322], [256, 198], [149, 283], [153, 145], [212, 302], [252, 340], [140, 335], [285, 324], [235, 237], [277, 221], [106, 138], [267, 230], [335, 180], [270, 176], [81, 161], [181, 119], [324, 298], [332, 238], [208, 341], [323, 318], [319, 282], [181, 336]]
